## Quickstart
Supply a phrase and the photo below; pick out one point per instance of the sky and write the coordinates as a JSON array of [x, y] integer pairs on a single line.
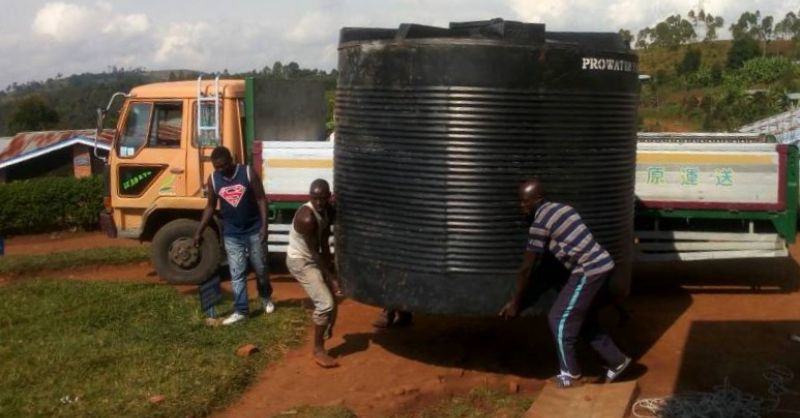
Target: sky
[[41, 39]]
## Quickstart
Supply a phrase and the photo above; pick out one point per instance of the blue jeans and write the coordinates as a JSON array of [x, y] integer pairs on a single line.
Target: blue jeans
[[239, 250]]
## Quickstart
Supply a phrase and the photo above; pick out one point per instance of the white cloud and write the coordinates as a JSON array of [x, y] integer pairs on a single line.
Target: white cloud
[[68, 22], [185, 43], [62, 21], [626, 13], [543, 11], [127, 24], [312, 27]]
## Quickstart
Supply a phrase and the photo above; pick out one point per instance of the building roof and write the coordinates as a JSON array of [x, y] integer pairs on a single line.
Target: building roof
[[777, 124], [188, 89], [26, 145]]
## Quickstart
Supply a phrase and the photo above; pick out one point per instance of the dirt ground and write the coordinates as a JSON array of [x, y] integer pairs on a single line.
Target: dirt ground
[[693, 326], [62, 241]]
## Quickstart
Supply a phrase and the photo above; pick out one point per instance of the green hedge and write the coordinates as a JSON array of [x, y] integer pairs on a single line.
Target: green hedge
[[50, 204]]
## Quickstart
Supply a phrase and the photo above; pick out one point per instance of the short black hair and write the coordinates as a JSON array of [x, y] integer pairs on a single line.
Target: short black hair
[[321, 184], [221, 153]]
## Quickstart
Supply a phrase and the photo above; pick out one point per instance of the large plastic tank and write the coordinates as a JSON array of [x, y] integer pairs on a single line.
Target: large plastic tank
[[436, 128]]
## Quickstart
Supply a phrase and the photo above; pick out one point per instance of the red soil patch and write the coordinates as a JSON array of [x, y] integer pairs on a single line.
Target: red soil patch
[[62, 241]]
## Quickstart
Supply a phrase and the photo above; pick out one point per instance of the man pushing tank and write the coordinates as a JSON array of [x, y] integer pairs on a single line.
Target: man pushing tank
[[557, 228], [308, 258]]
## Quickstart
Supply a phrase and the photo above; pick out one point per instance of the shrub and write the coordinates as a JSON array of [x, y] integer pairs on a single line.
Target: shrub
[[764, 70], [732, 107], [50, 204], [690, 63], [742, 49], [704, 77]]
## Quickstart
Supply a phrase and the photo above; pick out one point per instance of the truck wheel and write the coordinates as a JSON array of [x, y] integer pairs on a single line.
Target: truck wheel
[[175, 257]]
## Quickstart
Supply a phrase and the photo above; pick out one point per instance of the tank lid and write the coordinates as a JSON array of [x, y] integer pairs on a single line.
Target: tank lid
[[495, 29], [608, 41]]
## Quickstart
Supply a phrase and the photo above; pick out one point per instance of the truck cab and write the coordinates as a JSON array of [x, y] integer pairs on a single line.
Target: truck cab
[[157, 169], [160, 159]]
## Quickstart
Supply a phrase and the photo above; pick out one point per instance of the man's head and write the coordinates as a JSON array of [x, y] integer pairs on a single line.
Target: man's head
[[222, 160], [531, 193], [320, 193]]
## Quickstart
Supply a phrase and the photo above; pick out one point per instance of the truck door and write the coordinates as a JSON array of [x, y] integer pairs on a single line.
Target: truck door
[[151, 155]]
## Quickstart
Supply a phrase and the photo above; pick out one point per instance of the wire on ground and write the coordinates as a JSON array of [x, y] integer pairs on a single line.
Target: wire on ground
[[724, 400]]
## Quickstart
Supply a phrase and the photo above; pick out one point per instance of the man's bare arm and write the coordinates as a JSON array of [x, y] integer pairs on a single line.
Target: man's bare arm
[[511, 309]]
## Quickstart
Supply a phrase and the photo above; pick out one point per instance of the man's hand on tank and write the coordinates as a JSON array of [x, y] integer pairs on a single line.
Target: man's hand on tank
[[510, 310]]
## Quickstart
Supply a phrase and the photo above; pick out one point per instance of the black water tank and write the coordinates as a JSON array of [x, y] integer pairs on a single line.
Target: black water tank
[[435, 129]]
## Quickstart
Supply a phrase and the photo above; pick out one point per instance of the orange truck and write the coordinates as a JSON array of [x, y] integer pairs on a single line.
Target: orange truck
[[160, 159]]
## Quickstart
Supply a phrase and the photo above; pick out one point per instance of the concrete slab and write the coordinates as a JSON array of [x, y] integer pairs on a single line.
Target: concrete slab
[[588, 401]]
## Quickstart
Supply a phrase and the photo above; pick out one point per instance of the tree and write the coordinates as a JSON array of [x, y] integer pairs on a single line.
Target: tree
[[766, 28], [751, 25], [690, 63], [712, 24], [292, 70], [670, 33], [696, 17], [626, 36], [746, 26], [277, 70], [32, 113], [644, 38], [766, 31], [789, 27], [742, 49]]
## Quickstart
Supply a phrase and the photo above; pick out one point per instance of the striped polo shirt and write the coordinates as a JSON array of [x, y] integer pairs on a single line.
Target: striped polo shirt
[[559, 229]]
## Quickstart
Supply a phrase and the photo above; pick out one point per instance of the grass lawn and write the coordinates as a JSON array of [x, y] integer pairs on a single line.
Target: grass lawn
[[29, 264], [79, 349], [479, 403]]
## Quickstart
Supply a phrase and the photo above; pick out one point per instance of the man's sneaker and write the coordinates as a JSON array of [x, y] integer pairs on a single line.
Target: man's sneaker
[[566, 381], [234, 318], [613, 373], [269, 307]]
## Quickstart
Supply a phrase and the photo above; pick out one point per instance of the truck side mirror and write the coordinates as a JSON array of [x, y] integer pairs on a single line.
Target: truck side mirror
[[101, 115]]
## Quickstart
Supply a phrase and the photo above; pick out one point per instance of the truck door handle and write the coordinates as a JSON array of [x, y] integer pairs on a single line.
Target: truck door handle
[[176, 170]]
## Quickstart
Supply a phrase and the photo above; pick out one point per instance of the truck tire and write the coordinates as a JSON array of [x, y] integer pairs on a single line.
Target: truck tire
[[175, 257]]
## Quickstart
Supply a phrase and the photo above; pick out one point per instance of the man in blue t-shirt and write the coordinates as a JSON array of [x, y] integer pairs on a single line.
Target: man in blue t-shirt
[[558, 229], [240, 194]]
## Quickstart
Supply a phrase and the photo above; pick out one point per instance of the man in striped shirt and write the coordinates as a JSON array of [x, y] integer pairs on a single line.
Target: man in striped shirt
[[557, 228]]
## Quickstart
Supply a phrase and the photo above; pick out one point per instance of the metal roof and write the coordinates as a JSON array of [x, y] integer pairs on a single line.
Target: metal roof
[[785, 126], [26, 145]]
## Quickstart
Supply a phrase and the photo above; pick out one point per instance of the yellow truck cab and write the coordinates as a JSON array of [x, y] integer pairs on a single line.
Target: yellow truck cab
[[160, 160]]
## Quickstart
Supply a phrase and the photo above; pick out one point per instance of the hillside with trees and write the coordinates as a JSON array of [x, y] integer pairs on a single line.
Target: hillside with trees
[[70, 102], [697, 82]]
